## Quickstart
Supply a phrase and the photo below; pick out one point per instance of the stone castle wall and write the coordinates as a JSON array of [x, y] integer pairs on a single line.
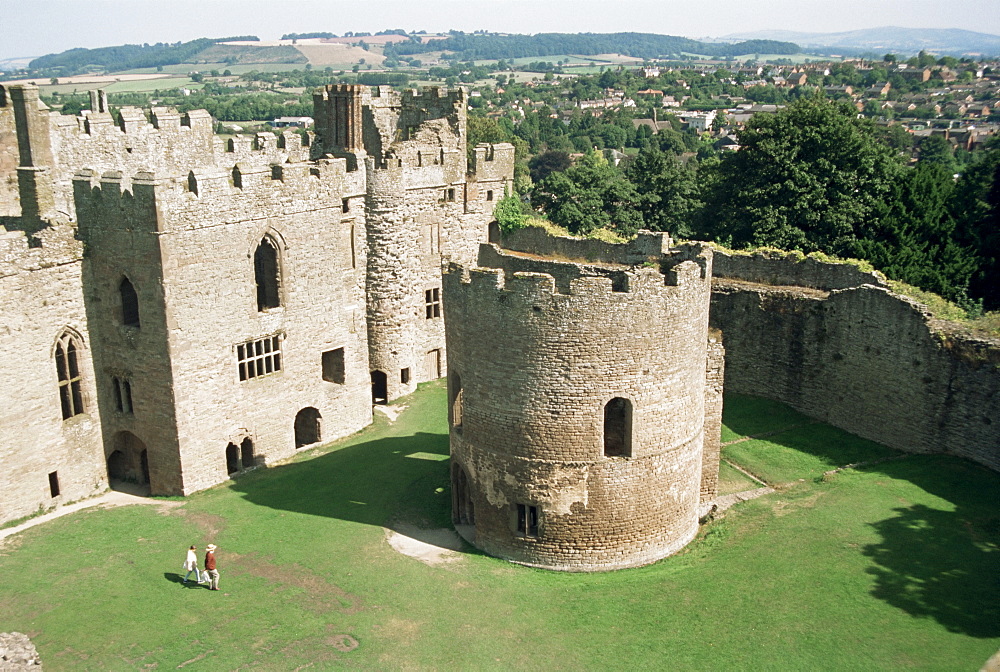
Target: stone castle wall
[[41, 300], [179, 215], [9, 199], [859, 357], [165, 142], [533, 363], [207, 306]]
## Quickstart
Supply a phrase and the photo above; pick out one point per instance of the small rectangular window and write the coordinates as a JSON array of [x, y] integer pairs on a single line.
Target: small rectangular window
[[527, 520], [259, 357], [404, 376], [449, 195], [54, 483], [345, 204], [489, 194], [333, 366], [432, 303]]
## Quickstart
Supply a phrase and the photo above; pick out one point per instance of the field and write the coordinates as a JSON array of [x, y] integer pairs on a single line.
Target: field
[[886, 567]]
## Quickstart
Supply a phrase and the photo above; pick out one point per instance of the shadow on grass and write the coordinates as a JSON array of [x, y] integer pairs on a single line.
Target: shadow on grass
[[744, 415], [939, 564], [389, 482], [174, 577]]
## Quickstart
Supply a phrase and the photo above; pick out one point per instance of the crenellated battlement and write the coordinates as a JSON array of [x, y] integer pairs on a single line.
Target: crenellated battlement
[[492, 162], [150, 202], [551, 278], [434, 96]]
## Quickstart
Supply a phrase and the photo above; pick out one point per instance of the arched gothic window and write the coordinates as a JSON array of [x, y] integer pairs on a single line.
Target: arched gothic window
[[130, 303], [267, 274], [68, 370]]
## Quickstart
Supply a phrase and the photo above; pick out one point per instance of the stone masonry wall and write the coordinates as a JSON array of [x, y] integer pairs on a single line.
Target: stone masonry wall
[[9, 202], [120, 231], [210, 306], [41, 298], [536, 367], [771, 267], [866, 360]]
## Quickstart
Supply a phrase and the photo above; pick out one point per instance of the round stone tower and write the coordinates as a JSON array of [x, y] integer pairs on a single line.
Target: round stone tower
[[577, 404]]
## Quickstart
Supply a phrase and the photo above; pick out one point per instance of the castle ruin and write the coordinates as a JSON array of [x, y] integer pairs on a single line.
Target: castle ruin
[[177, 308], [583, 434]]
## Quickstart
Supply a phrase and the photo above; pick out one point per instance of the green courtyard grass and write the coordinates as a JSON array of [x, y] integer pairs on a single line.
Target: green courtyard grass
[[886, 567]]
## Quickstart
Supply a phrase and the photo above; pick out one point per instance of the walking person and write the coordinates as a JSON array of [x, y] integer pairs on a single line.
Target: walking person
[[210, 568], [191, 565]]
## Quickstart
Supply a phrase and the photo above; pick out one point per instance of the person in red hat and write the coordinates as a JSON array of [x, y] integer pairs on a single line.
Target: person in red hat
[[210, 568]]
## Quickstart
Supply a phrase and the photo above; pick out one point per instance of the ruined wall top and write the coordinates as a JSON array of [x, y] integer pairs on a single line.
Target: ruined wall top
[[776, 267], [651, 268], [54, 245], [646, 246]]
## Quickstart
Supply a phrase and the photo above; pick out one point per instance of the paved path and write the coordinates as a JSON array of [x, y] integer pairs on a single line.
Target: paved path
[[113, 498]]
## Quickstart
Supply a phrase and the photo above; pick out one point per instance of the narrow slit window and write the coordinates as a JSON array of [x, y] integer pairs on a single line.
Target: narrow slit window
[[54, 483], [456, 401], [404, 376], [122, 389]]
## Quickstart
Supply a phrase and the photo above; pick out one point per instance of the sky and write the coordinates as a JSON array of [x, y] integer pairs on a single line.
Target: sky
[[39, 27]]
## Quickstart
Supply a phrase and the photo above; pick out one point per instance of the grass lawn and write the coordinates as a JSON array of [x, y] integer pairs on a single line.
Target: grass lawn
[[888, 567]]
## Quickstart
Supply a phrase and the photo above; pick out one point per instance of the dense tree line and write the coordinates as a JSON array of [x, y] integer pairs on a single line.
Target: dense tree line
[[127, 56], [813, 177], [640, 45]]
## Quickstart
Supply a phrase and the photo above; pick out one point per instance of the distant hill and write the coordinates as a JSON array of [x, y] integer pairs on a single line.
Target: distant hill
[[126, 56], [890, 39], [639, 45]]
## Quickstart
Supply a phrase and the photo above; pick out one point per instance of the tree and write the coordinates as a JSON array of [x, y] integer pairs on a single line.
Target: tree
[[913, 237], [551, 161], [591, 195], [976, 209], [804, 178], [508, 213], [935, 149], [669, 195]]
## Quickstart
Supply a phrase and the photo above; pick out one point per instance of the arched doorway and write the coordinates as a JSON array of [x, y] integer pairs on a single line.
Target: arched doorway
[[128, 463], [463, 510], [380, 387], [232, 459], [307, 427], [246, 453]]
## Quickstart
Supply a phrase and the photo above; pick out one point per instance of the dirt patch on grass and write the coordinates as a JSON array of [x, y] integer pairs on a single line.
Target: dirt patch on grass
[[400, 630], [92, 79], [343, 643], [318, 594], [210, 524]]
